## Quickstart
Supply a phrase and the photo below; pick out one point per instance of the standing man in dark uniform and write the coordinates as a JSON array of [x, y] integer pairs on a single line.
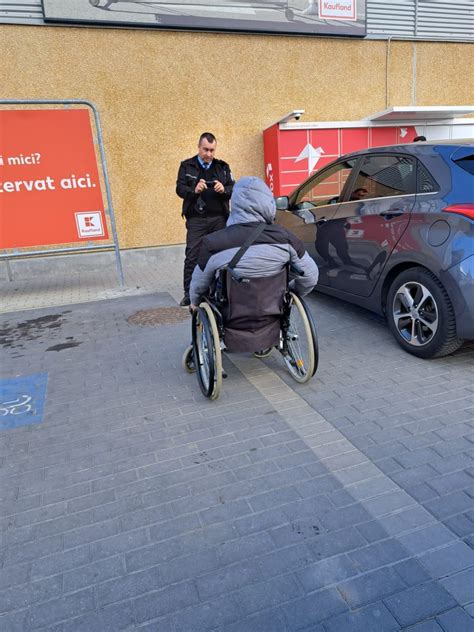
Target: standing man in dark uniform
[[205, 184]]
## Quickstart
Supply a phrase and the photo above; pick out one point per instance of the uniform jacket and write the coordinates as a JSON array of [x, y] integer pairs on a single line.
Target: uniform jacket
[[188, 177]]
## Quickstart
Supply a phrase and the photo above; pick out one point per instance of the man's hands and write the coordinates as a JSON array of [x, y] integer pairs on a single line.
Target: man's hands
[[201, 185]]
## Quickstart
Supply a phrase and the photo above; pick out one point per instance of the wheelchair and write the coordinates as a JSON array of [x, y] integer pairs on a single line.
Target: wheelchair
[[294, 333]]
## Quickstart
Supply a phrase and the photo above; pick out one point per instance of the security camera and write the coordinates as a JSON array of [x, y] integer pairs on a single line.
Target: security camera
[[295, 114]]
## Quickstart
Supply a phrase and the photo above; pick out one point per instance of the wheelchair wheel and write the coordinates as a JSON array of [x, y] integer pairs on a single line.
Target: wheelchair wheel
[[300, 343], [187, 361], [207, 351]]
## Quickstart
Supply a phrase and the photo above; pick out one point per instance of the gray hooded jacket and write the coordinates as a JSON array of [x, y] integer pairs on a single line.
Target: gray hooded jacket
[[252, 202]]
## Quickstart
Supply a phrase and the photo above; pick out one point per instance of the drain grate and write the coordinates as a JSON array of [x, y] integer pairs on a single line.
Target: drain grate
[[159, 316]]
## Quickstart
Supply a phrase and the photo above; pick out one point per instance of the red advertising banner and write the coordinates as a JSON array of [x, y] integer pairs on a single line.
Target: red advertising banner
[[49, 179]]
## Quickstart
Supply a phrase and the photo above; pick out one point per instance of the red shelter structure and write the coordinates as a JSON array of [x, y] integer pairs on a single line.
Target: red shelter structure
[[294, 150]]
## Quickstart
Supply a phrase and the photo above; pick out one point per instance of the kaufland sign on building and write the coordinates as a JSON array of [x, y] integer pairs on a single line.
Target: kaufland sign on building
[[301, 17], [345, 10]]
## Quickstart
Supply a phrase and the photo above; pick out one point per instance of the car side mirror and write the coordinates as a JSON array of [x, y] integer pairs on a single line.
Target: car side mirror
[[282, 203]]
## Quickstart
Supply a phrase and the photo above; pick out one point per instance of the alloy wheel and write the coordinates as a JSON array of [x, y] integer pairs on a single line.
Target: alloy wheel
[[415, 313]]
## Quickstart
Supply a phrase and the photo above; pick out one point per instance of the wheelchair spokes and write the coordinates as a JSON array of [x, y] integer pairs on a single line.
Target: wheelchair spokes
[[299, 345], [205, 362], [206, 351]]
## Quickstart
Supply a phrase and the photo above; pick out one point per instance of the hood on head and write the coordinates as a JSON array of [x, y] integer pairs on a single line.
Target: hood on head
[[251, 201]]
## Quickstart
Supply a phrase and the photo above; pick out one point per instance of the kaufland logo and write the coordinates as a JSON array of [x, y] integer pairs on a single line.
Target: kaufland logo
[[89, 224], [343, 10]]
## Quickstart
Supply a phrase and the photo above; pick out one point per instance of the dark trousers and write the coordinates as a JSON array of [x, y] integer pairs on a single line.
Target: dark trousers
[[197, 228]]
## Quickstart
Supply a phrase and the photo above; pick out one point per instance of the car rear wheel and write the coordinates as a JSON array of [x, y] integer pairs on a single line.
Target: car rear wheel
[[420, 314]]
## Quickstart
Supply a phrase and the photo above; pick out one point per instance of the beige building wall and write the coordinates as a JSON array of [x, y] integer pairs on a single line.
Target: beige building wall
[[156, 91]]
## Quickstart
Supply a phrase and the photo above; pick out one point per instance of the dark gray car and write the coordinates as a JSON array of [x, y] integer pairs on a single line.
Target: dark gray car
[[392, 230]]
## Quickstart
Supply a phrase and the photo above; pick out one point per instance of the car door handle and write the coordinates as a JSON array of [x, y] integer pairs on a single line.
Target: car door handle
[[393, 213], [323, 220]]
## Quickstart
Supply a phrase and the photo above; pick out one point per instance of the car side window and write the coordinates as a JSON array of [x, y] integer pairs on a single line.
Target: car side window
[[325, 188], [384, 175]]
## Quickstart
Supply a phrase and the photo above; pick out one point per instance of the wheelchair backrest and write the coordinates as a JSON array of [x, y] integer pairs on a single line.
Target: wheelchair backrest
[[250, 301]]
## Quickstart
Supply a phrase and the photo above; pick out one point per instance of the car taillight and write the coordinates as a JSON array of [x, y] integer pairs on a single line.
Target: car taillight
[[461, 209]]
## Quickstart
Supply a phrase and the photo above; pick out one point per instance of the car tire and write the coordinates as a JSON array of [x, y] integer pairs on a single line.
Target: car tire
[[420, 314]]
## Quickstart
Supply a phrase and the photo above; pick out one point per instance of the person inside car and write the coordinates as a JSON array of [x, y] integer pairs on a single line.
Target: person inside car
[[359, 194]]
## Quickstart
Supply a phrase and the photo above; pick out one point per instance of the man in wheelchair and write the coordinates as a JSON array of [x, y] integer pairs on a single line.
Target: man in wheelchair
[[246, 271]]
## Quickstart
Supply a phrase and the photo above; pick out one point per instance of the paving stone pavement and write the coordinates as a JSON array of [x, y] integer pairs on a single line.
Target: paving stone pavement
[[88, 277], [343, 505]]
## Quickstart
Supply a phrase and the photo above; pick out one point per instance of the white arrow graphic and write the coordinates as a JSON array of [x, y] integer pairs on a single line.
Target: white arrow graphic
[[313, 154]]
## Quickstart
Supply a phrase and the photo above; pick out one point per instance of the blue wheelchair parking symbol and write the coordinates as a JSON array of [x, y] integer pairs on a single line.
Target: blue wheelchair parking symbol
[[22, 400]]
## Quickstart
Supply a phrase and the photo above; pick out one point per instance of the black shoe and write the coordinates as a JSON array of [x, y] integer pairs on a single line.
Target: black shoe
[[185, 301]]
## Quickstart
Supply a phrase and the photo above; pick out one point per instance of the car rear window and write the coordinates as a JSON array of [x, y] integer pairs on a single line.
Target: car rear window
[[466, 163], [384, 175], [425, 182]]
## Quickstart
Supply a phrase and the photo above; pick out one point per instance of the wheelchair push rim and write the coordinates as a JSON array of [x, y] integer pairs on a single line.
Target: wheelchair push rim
[[299, 345], [207, 351]]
